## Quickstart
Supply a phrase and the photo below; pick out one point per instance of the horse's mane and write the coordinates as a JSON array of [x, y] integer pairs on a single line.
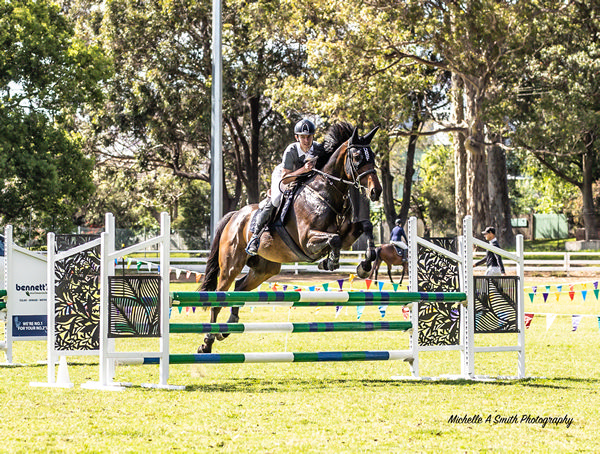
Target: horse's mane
[[335, 137]]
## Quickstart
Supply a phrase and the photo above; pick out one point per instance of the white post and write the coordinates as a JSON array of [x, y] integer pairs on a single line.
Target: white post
[[107, 246], [9, 281], [414, 287], [165, 252], [521, 304], [468, 367], [51, 295]]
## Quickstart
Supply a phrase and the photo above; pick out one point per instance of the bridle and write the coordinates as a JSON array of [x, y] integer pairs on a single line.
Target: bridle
[[351, 168]]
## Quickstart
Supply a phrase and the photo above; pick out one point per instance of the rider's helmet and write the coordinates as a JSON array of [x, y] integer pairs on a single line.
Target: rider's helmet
[[398, 221], [304, 128]]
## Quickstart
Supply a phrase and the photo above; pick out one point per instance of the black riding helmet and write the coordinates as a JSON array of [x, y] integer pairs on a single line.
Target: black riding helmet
[[304, 128]]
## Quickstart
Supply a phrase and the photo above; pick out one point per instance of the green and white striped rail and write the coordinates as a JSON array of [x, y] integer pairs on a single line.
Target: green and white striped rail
[[287, 327], [308, 299], [274, 357]]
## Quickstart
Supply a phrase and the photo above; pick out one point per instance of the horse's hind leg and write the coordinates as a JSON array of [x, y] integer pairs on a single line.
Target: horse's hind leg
[[259, 273], [390, 273]]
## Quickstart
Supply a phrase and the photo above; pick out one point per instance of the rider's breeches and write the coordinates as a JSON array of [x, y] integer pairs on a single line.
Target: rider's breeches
[[275, 180]]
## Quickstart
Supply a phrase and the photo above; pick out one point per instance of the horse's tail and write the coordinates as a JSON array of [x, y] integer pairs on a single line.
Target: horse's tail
[[211, 274]]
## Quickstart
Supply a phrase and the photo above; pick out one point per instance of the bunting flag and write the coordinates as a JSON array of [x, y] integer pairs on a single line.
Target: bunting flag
[[596, 285], [534, 288], [406, 313], [395, 287], [198, 277], [548, 287], [180, 309], [359, 311], [351, 278], [571, 292], [549, 320], [341, 283], [129, 260], [596, 292], [545, 296], [368, 282], [285, 288], [338, 309], [531, 296], [559, 288], [528, 319], [599, 322], [188, 274], [149, 266], [381, 284], [557, 296], [382, 310], [576, 320], [139, 265], [325, 287], [584, 294], [312, 288]]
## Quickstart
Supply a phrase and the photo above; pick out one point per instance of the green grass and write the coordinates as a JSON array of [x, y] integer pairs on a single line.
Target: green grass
[[315, 408]]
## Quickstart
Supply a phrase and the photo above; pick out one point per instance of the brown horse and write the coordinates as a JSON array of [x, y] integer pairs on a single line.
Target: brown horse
[[319, 222], [387, 253]]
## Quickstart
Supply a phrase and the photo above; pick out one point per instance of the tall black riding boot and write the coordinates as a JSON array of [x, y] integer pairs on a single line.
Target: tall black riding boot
[[262, 219]]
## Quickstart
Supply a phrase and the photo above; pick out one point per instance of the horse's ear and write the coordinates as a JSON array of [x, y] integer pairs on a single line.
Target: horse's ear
[[370, 135], [354, 137]]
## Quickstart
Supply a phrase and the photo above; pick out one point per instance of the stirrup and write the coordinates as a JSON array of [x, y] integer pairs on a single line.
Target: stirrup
[[253, 245]]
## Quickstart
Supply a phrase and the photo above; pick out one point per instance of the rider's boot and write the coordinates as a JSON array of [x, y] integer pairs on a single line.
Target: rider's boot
[[262, 219]]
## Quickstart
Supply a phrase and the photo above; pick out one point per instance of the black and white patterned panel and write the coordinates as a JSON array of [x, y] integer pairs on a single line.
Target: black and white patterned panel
[[496, 309], [134, 303], [439, 323], [77, 295]]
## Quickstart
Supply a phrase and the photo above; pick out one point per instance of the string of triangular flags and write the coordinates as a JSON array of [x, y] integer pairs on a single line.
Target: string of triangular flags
[[127, 262], [575, 319], [585, 289]]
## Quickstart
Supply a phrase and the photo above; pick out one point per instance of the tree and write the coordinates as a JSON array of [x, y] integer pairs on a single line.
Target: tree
[[46, 76], [558, 99], [160, 98]]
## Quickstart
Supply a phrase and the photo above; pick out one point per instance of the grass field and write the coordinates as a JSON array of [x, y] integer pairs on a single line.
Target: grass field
[[321, 407]]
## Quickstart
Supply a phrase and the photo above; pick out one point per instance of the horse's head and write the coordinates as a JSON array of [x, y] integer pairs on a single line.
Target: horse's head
[[360, 163]]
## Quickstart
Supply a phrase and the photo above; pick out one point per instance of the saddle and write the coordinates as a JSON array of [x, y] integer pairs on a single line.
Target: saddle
[[278, 222]]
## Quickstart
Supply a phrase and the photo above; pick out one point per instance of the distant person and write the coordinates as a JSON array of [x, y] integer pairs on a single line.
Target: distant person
[[396, 238], [495, 267]]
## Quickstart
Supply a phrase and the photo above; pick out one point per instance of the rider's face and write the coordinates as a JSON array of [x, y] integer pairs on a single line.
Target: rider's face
[[305, 141]]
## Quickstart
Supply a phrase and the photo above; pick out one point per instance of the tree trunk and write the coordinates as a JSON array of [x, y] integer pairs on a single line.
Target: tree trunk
[[460, 154], [410, 168], [477, 184], [498, 190], [252, 171], [590, 220], [387, 183]]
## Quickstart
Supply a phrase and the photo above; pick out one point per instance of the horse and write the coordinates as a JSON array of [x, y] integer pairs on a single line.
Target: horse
[[387, 253], [318, 223]]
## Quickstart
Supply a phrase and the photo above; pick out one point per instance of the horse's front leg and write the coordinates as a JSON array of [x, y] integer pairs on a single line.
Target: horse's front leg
[[355, 231], [317, 241]]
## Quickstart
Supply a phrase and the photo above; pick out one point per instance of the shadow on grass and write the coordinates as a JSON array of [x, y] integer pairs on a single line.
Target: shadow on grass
[[260, 385]]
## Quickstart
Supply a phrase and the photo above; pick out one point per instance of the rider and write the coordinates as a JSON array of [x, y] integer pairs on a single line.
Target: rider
[[299, 158], [396, 236]]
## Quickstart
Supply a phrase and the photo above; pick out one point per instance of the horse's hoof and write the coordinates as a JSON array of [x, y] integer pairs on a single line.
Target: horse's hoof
[[322, 265], [220, 336], [204, 349], [363, 270]]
